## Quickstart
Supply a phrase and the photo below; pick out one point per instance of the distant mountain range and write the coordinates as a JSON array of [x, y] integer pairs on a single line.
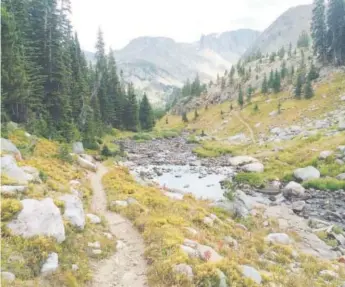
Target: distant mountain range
[[157, 65]]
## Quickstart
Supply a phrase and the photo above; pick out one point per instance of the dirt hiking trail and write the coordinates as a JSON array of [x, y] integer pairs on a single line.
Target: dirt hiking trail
[[127, 267]]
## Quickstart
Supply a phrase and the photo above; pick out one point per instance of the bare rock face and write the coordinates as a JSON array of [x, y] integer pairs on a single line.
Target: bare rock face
[[10, 168], [74, 211], [38, 217], [7, 146], [86, 164]]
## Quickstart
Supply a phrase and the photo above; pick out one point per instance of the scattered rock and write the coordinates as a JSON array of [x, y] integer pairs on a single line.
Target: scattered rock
[[280, 238], [341, 125], [241, 160], [173, 195], [8, 276], [75, 267], [252, 273], [120, 244], [38, 217], [10, 169], [93, 218], [95, 244], [50, 265], [121, 203], [340, 176], [273, 113], [12, 190], [33, 171], [208, 221], [254, 167], [230, 241], [222, 279], [298, 206], [341, 148], [306, 173], [207, 253], [86, 164], [293, 189], [78, 148], [131, 200], [74, 211], [192, 231], [190, 243], [185, 270], [329, 273], [96, 251], [6, 146], [191, 252], [325, 154], [241, 226]]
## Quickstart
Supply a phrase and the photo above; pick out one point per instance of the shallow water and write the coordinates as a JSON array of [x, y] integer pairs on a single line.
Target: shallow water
[[199, 181]]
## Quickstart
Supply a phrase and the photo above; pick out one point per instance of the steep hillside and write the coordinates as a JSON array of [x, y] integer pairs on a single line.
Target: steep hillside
[[284, 30]]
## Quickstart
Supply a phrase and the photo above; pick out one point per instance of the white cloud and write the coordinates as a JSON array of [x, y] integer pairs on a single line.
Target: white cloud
[[182, 20]]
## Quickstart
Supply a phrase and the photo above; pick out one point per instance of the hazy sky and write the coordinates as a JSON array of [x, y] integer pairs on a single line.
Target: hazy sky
[[182, 20]]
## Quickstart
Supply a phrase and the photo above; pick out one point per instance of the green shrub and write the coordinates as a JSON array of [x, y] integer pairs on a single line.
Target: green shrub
[[169, 134], [142, 137], [64, 154], [229, 187], [202, 152], [90, 144], [192, 140], [253, 179], [106, 151], [43, 176], [9, 208], [325, 184]]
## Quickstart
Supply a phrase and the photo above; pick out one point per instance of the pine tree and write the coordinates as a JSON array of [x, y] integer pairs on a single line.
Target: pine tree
[[299, 85], [283, 71], [318, 30], [240, 97], [146, 116], [271, 80], [249, 93], [184, 117], [313, 73], [264, 86], [308, 89], [131, 119], [290, 50], [276, 82], [336, 31], [196, 115], [303, 40]]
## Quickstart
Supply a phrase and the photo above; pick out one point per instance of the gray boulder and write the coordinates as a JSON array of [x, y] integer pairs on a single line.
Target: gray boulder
[[10, 169], [191, 252], [78, 148], [280, 238], [185, 270], [222, 279], [8, 276], [254, 167], [173, 195], [38, 217], [252, 273], [50, 265], [208, 254], [12, 190], [33, 171], [7, 146], [74, 211], [325, 154], [298, 206], [93, 218], [86, 164], [121, 203], [341, 125], [241, 160], [340, 176], [306, 173], [293, 189]]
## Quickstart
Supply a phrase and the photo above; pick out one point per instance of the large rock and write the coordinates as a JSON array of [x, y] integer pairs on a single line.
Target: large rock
[[254, 167], [78, 148], [38, 217], [74, 211], [252, 273], [207, 253], [325, 154], [33, 171], [93, 218], [191, 252], [185, 270], [306, 173], [340, 176], [86, 164], [298, 206], [222, 279], [293, 189], [241, 160], [51, 264], [12, 190], [341, 125], [7, 146], [7, 276], [10, 169], [280, 238]]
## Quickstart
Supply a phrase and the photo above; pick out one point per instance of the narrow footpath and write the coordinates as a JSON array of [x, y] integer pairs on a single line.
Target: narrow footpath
[[127, 267]]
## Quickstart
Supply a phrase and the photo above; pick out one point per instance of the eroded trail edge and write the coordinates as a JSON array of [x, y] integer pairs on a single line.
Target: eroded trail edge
[[127, 267]]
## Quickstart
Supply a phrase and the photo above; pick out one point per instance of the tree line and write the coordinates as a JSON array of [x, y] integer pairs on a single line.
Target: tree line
[[47, 84]]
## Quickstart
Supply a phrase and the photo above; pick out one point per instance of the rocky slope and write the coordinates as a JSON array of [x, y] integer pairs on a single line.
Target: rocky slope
[[284, 30]]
